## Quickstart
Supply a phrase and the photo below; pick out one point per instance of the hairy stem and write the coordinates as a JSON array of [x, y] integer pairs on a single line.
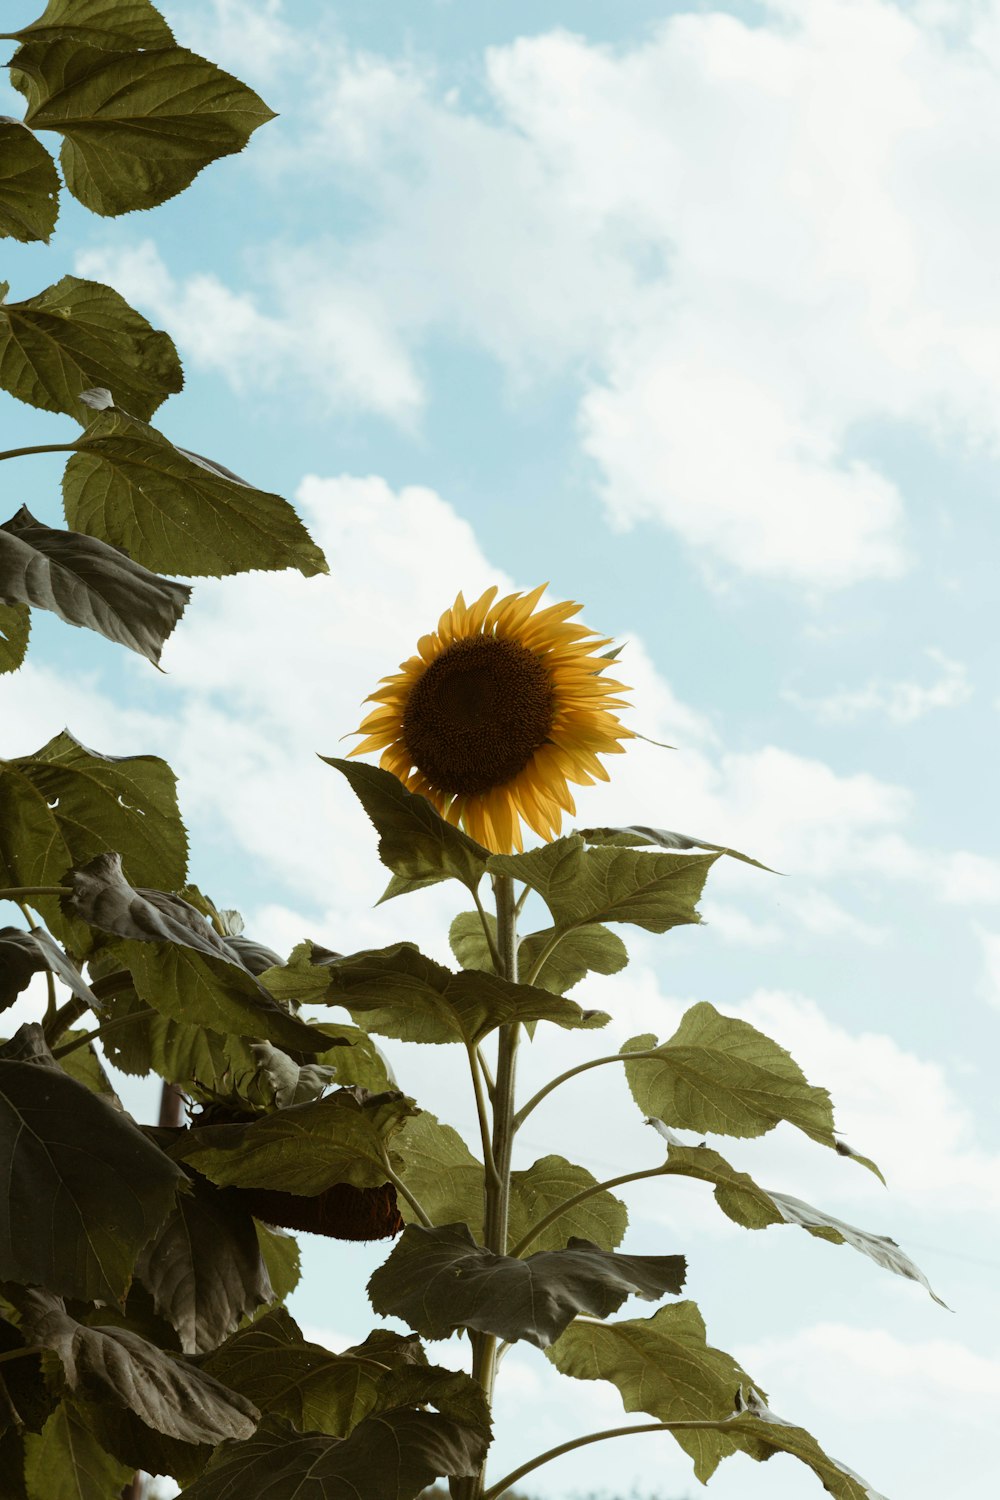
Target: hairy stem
[[496, 1490], [596, 1062], [581, 1197], [42, 447]]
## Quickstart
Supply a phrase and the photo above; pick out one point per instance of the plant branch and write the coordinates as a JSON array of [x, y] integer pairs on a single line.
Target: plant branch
[[595, 1062], [487, 1074], [42, 447], [18, 892], [90, 1036], [21, 1353], [402, 1189], [483, 1113], [581, 1197], [490, 942], [543, 957], [522, 898], [53, 1028], [496, 1490]]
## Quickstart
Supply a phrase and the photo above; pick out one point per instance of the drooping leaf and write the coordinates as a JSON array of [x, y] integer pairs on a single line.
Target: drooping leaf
[[15, 627], [394, 1456], [116, 1365], [439, 1280], [88, 583], [121, 1432], [761, 1433], [66, 1462], [638, 836], [398, 992], [137, 127], [281, 1081], [43, 952], [128, 24], [29, 184], [661, 1365], [415, 842], [204, 1268], [546, 1185], [581, 885], [83, 1189], [178, 1051], [344, 1137], [724, 1076], [178, 962], [122, 802], [78, 334], [174, 511], [563, 962]]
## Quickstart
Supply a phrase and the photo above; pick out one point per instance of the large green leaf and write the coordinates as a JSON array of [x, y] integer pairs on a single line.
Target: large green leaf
[[204, 1268], [118, 1366], [439, 1280], [721, 1075], [86, 582], [343, 1138], [661, 1365], [178, 963], [15, 627], [137, 127], [398, 992], [638, 836], [78, 334], [122, 802], [33, 851], [83, 1189], [761, 1433], [66, 1462], [175, 512], [29, 184], [441, 1173], [546, 1185], [393, 1456], [581, 885], [128, 24], [415, 842], [177, 1050], [560, 959]]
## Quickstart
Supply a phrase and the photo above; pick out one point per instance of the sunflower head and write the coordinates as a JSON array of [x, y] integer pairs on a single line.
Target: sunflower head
[[497, 712]]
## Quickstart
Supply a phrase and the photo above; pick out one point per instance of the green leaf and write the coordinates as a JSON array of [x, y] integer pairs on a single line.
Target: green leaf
[[118, 1366], [547, 1184], [637, 836], [178, 963], [137, 127], [123, 802], [415, 842], [78, 334], [66, 1462], [280, 1252], [360, 1062], [204, 1268], [440, 1171], [661, 1365], [15, 627], [306, 1149], [440, 1280], [33, 851], [178, 1051], [20, 960], [85, 1066], [572, 955], [724, 1076], [761, 1433], [121, 1432], [29, 184], [129, 24], [174, 511], [400, 993], [394, 1456], [467, 941], [44, 953], [581, 885], [82, 1185], [86, 582], [280, 1081]]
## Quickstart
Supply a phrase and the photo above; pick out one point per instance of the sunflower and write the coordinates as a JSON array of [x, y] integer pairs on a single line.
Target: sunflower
[[496, 713]]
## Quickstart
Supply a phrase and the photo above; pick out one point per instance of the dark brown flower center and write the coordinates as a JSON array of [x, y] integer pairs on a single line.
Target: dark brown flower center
[[478, 714]]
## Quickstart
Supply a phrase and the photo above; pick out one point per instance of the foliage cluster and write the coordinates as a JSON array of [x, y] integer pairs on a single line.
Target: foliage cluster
[[143, 1270]]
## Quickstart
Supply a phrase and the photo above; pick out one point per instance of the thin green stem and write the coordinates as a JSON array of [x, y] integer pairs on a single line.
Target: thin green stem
[[404, 1192], [50, 981], [21, 1353], [483, 1113], [90, 1036], [487, 1074], [596, 1062], [41, 447], [496, 1490], [487, 933], [543, 957], [522, 898], [18, 892], [54, 1027], [581, 1197]]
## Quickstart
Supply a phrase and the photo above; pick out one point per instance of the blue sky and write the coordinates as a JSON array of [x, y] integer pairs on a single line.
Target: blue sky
[[691, 310]]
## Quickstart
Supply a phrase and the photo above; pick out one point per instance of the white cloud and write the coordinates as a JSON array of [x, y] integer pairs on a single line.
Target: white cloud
[[901, 702], [989, 987]]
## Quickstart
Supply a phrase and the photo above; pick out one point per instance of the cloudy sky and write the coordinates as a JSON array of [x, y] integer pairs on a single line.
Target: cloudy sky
[[693, 311]]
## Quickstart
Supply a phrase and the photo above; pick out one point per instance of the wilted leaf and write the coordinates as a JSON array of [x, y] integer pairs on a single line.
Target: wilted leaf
[[20, 959], [122, 802], [178, 962], [661, 1365], [394, 1456], [29, 184], [637, 836], [440, 1280], [77, 334], [129, 24], [174, 511], [398, 992], [581, 885], [66, 1462], [15, 627], [721, 1075], [415, 842], [47, 955], [137, 127], [83, 1190], [281, 1081], [87, 583], [306, 1149], [116, 1365], [204, 1268]]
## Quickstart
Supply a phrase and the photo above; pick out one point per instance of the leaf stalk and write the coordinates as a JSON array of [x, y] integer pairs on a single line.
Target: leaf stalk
[[496, 1490]]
